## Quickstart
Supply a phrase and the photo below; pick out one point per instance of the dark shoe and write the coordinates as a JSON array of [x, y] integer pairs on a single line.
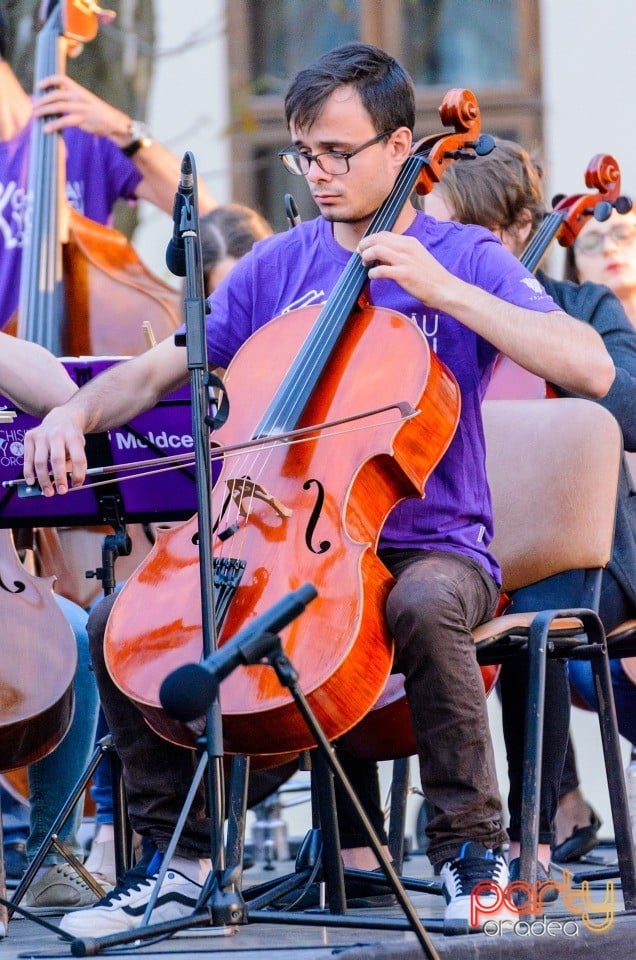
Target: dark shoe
[[360, 894], [580, 841], [546, 888], [15, 862]]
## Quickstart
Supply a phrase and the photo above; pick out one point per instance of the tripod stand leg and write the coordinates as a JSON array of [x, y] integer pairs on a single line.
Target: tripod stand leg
[[237, 803], [288, 677], [331, 856], [51, 838], [176, 836], [4, 915]]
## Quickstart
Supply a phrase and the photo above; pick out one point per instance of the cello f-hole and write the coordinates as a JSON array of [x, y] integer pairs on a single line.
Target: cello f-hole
[[314, 516]]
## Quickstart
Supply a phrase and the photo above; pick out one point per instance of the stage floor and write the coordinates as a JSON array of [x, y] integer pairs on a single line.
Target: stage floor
[[562, 933]]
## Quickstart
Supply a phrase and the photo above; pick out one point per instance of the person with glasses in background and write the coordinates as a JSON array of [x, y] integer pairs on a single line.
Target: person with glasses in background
[[605, 253], [351, 116], [503, 192]]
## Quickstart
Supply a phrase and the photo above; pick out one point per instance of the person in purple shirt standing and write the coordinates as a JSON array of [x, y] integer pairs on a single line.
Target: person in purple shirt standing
[[108, 156], [351, 116]]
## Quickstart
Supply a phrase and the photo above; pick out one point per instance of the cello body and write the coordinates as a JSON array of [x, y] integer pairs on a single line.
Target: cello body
[[37, 644], [326, 500]]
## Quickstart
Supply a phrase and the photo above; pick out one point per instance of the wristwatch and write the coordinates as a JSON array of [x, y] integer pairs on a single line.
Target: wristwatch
[[140, 137]]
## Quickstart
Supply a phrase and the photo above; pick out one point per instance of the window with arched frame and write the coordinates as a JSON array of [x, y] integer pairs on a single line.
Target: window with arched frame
[[490, 46]]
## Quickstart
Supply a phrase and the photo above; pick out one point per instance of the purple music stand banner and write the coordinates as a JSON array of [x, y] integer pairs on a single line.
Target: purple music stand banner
[[163, 431]]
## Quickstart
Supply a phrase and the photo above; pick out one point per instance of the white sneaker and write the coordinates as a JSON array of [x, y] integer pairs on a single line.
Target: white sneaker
[[475, 887], [124, 907]]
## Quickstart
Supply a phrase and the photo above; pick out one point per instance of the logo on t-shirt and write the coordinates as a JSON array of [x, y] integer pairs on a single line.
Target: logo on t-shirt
[[534, 284], [13, 214], [312, 296], [15, 210]]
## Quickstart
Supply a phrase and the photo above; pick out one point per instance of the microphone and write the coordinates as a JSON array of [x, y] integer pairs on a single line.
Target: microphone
[[175, 251], [188, 691]]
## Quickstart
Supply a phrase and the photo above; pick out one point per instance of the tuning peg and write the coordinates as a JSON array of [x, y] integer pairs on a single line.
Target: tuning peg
[[557, 198], [485, 145], [602, 210], [623, 204]]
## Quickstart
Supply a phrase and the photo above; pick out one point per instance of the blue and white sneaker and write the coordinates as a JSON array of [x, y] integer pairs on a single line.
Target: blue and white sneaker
[[124, 907], [474, 887]]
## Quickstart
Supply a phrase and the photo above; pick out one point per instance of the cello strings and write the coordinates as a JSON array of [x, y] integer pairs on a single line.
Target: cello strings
[[311, 357]]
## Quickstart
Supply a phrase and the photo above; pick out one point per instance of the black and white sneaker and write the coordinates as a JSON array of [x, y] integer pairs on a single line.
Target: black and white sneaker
[[483, 874], [124, 907]]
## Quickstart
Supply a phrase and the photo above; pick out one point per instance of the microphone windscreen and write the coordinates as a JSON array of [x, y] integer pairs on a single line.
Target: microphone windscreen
[[176, 259], [187, 692]]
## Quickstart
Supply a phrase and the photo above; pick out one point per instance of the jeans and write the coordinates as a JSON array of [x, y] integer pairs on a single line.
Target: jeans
[[102, 789], [52, 779], [624, 693]]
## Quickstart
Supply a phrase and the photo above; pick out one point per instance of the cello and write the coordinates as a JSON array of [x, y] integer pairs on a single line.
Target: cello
[[385, 733], [306, 512]]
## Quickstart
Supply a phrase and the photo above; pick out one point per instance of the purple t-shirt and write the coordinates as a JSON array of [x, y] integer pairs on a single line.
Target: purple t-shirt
[[97, 174], [300, 267]]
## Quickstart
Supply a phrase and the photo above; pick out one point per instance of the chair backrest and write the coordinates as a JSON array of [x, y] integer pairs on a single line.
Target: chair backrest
[[553, 469]]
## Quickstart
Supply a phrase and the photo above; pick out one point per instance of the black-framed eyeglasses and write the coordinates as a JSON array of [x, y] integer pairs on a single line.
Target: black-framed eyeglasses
[[333, 162], [593, 241]]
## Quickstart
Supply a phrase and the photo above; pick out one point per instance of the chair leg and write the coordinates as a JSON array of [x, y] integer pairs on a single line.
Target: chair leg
[[533, 745], [397, 819], [615, 777]]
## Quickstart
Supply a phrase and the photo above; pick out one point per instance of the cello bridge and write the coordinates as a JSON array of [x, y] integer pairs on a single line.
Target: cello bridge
[[242, 488]]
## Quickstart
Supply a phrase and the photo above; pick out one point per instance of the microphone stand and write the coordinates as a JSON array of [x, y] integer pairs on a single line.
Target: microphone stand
[[227, 906]]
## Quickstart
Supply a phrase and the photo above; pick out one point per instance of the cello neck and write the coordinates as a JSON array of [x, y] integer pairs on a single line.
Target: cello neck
[[550, 226], [41, 302], [290, 399]]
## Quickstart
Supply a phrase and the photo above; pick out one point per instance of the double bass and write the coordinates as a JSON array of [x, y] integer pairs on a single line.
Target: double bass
[[305, 512]]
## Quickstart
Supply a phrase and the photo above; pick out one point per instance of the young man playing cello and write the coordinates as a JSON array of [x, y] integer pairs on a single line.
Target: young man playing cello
[[351, 116]]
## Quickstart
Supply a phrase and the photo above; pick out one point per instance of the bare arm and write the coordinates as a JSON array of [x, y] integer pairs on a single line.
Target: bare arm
[[532, 339], [117, 395], [32, 377], [78, 107]]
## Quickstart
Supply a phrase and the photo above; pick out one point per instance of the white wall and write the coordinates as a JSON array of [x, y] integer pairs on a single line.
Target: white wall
[[188, 107], [588, 89]]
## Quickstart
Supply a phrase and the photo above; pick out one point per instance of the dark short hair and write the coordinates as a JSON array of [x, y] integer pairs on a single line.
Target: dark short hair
[[230, 230], [494, 190], [3, 36], [385, 88]]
